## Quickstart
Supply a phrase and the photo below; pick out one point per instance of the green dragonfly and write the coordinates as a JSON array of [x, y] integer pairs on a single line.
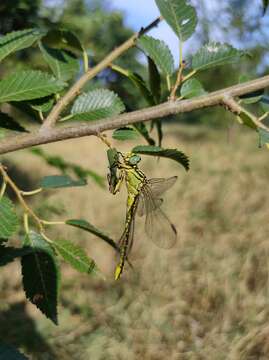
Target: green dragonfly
[[143, 199]]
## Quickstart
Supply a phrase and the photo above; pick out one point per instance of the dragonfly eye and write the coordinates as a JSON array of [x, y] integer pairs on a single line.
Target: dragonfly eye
[[133, 160]]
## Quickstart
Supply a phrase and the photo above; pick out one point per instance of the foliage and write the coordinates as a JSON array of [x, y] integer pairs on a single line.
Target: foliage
[[66, 60]]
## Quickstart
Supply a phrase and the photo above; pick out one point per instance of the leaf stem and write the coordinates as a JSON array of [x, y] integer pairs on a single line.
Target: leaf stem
[[3, 189], [29, 193]]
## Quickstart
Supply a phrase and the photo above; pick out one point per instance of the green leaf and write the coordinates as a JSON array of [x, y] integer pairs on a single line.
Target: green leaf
[[159, 52], [113, 157], [173, 154], [75, 256], [10, 353], [143, 130], [7, 122], [125, 133], [43, 104], [192, 88], [265, 103], [8, 218], [63, 63], [27, 85], [9, 254], [60, 181], [139, 83], [97, 104], [215, 54], [154, 81], [253, 97], [180, 16], [63, 39], [264, 137], [85, 225], [246, 119], [41, 275], [18, 40]]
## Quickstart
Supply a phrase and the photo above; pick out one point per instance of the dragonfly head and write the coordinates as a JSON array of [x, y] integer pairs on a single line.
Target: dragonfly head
[[133, 159]]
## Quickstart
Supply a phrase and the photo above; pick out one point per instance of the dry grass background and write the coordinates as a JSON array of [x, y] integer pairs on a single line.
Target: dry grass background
[[208, 298]]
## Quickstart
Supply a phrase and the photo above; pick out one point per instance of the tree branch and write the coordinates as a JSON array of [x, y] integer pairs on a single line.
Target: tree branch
[[169, 108], [50, 121]]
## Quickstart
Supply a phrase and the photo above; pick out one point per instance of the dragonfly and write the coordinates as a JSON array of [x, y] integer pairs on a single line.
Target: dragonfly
[[144, 198]]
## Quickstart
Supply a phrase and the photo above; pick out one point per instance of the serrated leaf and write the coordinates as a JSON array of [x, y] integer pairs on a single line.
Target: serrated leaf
[[139, 83], [9, 254], [180, 16], [6, 122], [18, 40], [75, 256], [173, 154], [143, 130], [63, 39], [125, 133], [60, 181], [63, 63], [154, 81], [10, 353], [192, 88], [41, 276], [159, 52], [27, 85], [215, 54], [8, 218], [264, 137], [85, 225], [97, 104]]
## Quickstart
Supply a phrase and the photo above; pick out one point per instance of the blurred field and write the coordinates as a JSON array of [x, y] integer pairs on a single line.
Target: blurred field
[[205, 299]]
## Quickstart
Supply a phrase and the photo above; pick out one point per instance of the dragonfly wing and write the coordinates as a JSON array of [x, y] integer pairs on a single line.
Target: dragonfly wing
[[158, 227], [159, 185]]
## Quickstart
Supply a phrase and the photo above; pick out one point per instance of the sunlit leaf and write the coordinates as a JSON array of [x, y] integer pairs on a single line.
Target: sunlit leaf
[[18, 40], [192, 88], [159, 52], [85, 225], [180, 16], [97, 104], [8, 218], [27, 85], [60, 181], [157, 151], [215, 54], [75, 256], [41, 275]]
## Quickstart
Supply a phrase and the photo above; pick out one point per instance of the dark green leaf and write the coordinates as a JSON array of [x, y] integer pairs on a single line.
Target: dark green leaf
[[27, 85], [75, 256], [8, 219], [63, 63], [18, 40], [173, 154], [85, 225], [159, 52], [97, 104], [142, 129], [60, 181], [113, 157], [10, 353], [7, 122], [41, 276], [180, 16], [125, 133], [192, 88], [9, 254], [63, 39], [43, 104], [215, 54], [154, 81]]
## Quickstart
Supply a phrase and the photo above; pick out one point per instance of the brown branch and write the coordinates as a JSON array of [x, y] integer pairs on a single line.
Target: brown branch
[[50, 121], [159, 111]]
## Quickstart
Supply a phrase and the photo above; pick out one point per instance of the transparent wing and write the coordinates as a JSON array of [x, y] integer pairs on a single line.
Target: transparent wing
[[157, 187], [157, 225]]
